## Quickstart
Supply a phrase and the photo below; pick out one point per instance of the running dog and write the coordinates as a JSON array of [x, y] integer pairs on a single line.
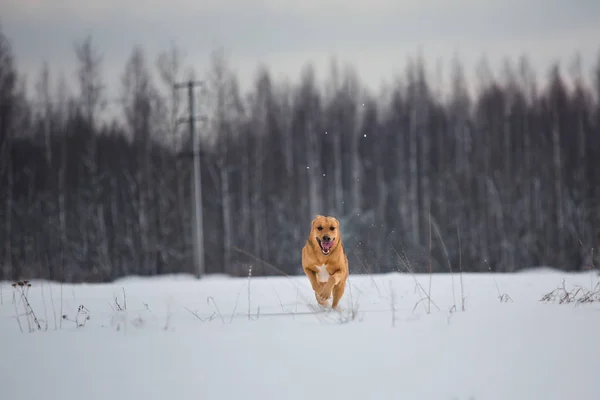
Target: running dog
[[324, 260]]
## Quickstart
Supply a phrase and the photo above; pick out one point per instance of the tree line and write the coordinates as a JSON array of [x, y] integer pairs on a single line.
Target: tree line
[[502, 179]]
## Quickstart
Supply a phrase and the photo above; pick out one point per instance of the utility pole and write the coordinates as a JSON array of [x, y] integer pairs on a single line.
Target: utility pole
[[196, 180]]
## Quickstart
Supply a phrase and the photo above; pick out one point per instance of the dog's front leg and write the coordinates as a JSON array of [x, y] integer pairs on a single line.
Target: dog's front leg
[[327, 288], [317, 287], [312, 278]]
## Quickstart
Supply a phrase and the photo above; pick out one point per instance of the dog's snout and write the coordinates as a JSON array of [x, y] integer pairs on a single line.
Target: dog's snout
[[326, 238]]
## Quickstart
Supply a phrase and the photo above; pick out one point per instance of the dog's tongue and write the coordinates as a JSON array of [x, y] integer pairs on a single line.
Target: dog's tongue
[[327, 245]]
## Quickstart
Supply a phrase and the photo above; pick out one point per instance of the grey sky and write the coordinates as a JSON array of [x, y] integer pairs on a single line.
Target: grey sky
[[375, 36]]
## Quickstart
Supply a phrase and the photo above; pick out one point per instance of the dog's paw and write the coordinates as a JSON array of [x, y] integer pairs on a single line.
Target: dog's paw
[[324, 295], [321, 299]]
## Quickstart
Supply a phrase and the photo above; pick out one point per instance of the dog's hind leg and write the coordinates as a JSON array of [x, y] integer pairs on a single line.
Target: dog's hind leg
[[338, 292]]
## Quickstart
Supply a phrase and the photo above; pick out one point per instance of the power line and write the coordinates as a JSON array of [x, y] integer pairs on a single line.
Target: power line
[[196, 179]]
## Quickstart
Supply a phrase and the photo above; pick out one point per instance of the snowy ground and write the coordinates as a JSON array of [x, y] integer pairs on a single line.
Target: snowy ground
[[221, 339]]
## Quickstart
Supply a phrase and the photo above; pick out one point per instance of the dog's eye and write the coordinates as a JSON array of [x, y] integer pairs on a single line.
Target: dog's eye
[[332, 228], [320, 228]]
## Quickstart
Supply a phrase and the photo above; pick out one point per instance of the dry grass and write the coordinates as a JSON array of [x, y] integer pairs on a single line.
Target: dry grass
[[462, 288], [393, 304], [20, 293], [119, 317], [81, 317], [210, 299], [503, 297], [577, 294], [199, 318], [424, 294], [439, 235]]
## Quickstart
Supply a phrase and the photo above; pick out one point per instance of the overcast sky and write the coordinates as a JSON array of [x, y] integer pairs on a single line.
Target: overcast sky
[[376, 36]]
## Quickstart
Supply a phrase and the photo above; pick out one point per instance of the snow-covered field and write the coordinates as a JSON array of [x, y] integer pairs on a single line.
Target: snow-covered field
[[223, 338]]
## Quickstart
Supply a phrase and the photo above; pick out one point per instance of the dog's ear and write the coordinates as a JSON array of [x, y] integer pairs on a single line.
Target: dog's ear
[[335, 220], [316, 218]]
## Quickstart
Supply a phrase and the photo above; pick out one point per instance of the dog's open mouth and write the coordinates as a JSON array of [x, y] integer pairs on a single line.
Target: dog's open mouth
[[325, 246]]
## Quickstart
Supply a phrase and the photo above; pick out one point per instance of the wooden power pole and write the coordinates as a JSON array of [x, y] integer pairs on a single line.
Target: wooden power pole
[[196, 180]]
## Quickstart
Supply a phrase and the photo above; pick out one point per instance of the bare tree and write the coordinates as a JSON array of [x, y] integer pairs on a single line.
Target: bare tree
[[108, 197], [139, 96], [337, 123], [351, 93], [43, 94], [308, 124], [91, 86], [557, 98], [226, 116], [7, 105]]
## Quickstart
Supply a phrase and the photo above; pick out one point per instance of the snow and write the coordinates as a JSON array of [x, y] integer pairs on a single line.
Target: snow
[[226, 338]]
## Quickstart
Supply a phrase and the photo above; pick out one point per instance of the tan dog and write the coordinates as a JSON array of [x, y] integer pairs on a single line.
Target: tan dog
[[324, 260]]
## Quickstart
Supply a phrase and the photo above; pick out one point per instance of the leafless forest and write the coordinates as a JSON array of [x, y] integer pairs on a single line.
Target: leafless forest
[[500, 180]]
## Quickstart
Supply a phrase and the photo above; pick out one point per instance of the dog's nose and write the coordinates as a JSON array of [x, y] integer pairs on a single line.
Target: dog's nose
[[326, 238]]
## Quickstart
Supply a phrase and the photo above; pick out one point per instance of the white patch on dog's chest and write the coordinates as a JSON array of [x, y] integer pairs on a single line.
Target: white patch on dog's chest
[[322, 274]]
